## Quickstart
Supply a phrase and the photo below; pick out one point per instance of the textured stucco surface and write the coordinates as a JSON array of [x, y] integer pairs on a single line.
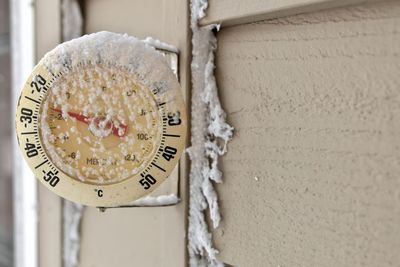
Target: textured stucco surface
[[312, 176]]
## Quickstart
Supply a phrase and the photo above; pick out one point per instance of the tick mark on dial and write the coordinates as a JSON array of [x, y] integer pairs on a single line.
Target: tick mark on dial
[[42, 164], [29, 133], [172, 135], [161, 104], [155, 165], [33, 100]]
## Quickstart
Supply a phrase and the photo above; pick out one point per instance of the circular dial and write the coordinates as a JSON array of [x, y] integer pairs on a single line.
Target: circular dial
[[101, 120]]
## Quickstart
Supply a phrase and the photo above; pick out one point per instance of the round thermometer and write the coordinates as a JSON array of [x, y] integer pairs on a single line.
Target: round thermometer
[[101, 120]]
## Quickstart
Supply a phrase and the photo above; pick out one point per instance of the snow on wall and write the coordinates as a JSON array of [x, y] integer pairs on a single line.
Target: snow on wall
[[72, 20], [149, 201], [209, 130], [72, 220], [160, 45]]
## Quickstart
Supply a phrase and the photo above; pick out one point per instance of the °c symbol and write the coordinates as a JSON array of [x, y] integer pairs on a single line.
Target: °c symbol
[[99, 192]]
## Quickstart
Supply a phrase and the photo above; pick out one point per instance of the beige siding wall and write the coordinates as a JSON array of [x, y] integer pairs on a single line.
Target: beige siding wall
[[312, 176], [235, 12]]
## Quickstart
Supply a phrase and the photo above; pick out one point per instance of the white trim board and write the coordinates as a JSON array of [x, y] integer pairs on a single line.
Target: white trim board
[[24, 183]]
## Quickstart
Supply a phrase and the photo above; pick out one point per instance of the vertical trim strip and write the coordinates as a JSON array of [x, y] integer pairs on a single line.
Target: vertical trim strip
[[24, 183]]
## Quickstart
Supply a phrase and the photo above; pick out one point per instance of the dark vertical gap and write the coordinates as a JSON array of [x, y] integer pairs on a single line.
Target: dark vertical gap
[[82, 5]]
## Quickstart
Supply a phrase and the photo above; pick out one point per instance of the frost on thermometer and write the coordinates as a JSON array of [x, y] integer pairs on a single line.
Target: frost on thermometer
[[106, 110], [100, 124]]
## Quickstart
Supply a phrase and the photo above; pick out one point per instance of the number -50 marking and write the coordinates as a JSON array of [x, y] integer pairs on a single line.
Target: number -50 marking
[[51, 178]]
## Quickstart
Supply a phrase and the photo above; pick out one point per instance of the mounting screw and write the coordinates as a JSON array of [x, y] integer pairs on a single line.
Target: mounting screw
[[101, 209]]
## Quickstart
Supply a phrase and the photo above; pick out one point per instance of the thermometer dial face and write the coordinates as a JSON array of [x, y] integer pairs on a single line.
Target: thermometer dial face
[[101, 124]]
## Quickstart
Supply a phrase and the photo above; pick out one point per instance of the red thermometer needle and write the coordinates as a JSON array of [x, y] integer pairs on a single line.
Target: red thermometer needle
[[115, 130]]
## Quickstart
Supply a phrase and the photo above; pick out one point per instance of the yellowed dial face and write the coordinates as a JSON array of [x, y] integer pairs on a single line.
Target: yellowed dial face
[[98, 132], [106, 127]]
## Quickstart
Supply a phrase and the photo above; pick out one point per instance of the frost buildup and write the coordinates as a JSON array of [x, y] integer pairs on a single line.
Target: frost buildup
[[149, 201], [208, 130], [72, 221]]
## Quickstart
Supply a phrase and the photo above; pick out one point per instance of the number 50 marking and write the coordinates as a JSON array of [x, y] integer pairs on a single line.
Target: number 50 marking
[[147, 181]]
